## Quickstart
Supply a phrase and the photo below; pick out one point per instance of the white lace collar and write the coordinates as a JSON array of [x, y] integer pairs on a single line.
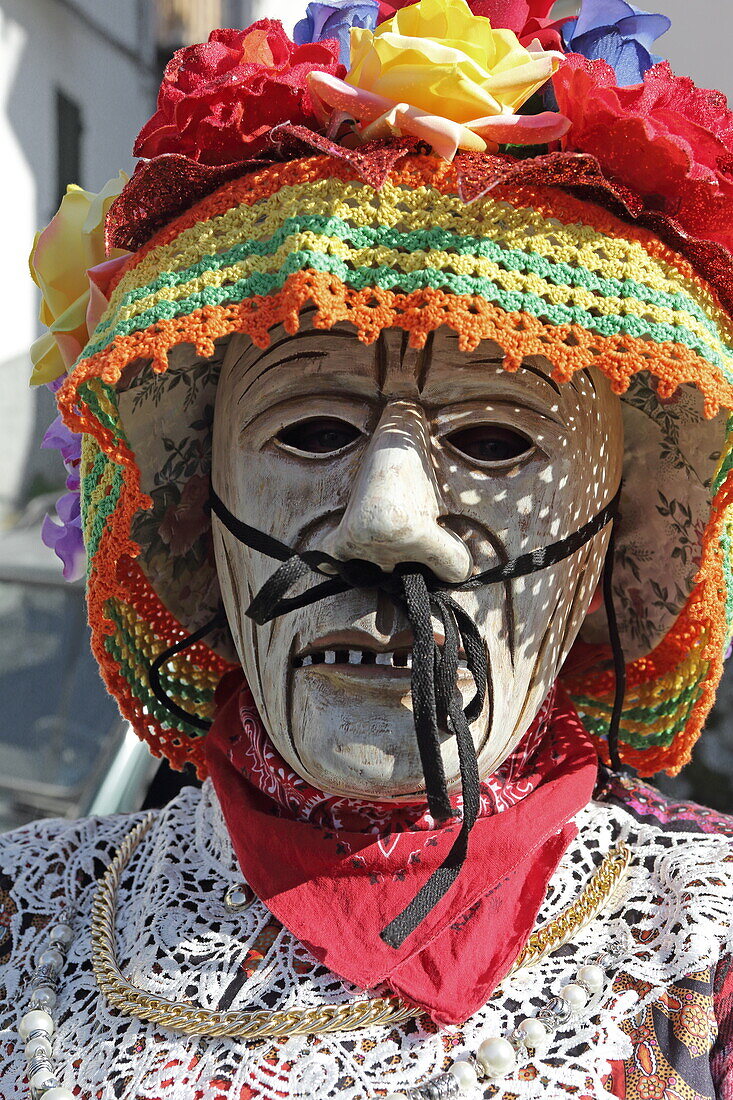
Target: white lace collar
[[176, 937]]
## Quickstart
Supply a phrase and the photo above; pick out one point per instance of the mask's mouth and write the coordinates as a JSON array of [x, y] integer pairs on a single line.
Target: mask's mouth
[[399, 658], [352, 653]]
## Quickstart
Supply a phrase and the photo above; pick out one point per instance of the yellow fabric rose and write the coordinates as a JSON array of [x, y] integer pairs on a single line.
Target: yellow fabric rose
[[61, 256], [439, 57]]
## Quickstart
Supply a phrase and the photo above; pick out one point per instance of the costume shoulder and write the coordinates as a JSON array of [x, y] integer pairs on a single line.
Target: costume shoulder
[[46, 865], [650, 807]]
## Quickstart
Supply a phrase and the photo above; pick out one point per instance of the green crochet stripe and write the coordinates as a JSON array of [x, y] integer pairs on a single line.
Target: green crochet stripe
[[148, 700], [88, 394], [422, 240], [103, 510], [262, 283], [174, 686], [727, 464], [662, 738], [644, 714], [89, 483], [727, 551]]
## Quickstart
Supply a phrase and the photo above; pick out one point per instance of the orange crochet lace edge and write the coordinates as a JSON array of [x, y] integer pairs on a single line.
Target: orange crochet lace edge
[[418, 313]]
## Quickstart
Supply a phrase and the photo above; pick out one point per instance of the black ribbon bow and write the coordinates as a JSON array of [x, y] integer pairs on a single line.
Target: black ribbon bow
[[436, 699]]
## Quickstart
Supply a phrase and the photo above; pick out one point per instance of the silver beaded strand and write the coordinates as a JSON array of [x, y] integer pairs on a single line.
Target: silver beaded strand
[[497, 1056], [37, 1026]]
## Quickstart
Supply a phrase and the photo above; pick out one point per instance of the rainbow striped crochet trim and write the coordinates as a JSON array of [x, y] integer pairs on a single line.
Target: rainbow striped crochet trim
[[536, 270]]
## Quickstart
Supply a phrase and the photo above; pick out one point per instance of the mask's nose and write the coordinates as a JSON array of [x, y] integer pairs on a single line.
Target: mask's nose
[[392, 513]]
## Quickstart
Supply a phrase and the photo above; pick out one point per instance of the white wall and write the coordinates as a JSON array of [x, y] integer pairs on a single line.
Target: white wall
[[120, 20], [699, 42], [288, 11], [45, 46]]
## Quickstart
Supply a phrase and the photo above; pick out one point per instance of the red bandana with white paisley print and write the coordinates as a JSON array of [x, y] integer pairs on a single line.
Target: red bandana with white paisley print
[[336, 870]]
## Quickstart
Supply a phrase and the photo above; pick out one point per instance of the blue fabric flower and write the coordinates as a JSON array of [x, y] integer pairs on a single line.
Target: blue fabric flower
[[335, 20], [616, 32]]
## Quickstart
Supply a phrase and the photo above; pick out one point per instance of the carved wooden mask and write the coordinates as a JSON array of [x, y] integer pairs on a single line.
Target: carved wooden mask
[[391, 454]]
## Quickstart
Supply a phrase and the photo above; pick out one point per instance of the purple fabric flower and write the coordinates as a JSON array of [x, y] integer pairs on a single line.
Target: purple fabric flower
[[616, 32], [59, 438], [335, 20], [65, 538]]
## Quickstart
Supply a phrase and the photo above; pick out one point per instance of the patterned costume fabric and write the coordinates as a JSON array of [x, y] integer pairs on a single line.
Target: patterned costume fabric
[[535, 270], [660, 1033]]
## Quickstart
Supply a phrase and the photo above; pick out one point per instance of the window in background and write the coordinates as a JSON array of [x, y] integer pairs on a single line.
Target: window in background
[[182, 22], [69, 134]]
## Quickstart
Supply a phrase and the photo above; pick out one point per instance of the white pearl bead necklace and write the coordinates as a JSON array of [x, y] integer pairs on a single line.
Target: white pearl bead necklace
[[497, 1056], [36, 1027]]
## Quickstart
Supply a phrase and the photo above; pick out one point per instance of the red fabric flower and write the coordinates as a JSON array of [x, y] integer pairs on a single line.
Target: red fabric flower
[[219, 100], [666, 139], [529, 19]]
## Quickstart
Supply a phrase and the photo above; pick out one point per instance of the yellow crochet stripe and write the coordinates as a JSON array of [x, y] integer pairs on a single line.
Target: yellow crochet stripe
[[649, 727], [89, 450], [420, 260], [422, 208], [667, 686], [150, 648]]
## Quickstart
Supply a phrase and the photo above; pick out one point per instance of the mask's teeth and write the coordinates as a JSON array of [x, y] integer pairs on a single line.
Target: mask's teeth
[[355, 656], [306, 661], [384, 658], [330, 656]]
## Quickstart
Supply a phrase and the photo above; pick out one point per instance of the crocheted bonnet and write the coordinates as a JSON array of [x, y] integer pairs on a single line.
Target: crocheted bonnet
[[363, 210]]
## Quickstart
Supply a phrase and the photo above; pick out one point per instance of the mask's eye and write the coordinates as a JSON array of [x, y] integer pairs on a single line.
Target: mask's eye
[[321, 436], [491, 443]]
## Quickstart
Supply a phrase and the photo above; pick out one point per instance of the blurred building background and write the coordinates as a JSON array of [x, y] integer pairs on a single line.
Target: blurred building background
[[78, 78]]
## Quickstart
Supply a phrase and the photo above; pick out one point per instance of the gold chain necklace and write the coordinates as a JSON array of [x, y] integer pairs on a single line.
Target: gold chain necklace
[[190, 1020]]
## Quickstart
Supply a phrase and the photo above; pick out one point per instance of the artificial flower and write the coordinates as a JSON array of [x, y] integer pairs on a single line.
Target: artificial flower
[[60, 259], [335, 19], [219, 100], [444, 75], [616, 32], [65, 536], [529, 19], [59, 437], [666, 139], [69, 264], [438, 56]]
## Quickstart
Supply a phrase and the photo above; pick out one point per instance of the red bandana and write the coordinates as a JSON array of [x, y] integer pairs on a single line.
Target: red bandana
[[335, 871]]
